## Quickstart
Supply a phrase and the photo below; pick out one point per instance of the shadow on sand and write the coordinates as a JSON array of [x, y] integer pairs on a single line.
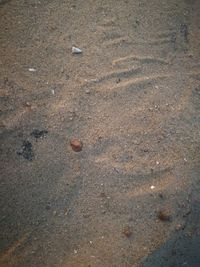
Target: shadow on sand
[[183, 248]]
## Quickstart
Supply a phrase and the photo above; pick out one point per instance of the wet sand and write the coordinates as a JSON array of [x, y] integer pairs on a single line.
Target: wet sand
[[133, 98]]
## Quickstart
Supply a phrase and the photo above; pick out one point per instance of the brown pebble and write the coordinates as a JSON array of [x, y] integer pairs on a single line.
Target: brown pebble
[[127, 232], [76, 145], [164, 215]]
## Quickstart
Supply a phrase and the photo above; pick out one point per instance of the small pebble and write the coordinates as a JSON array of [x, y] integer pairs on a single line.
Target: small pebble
[[76, 50], [164, 215], [127, 232], [28, 104], [32, 69], [179, 227], [76, 145]]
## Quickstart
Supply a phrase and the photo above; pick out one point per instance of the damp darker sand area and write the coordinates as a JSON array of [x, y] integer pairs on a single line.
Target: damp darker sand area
[[100, 147]]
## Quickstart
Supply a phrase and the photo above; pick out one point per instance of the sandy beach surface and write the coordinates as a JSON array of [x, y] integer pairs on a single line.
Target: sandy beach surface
[[130, 195]]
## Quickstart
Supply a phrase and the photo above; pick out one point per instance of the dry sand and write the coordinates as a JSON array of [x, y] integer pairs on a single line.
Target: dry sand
[[133, 98]]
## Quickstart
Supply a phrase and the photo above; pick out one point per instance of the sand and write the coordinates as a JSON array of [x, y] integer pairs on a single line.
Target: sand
[[132, 97]]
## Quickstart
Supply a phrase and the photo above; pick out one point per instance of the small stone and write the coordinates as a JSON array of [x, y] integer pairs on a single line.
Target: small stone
[[32, 69], [28, 104], [127, 232], [87, 91], [76, 145], [164, 215], [179, 227], [136, 142], [66, 213], [76, 50]]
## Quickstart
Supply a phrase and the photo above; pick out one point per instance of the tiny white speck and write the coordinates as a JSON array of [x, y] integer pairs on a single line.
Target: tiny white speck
[[75, 251], [152, 187], [157, 162]]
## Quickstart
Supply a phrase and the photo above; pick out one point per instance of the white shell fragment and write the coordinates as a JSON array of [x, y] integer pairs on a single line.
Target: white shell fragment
[[76, 50], [32, 69]]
